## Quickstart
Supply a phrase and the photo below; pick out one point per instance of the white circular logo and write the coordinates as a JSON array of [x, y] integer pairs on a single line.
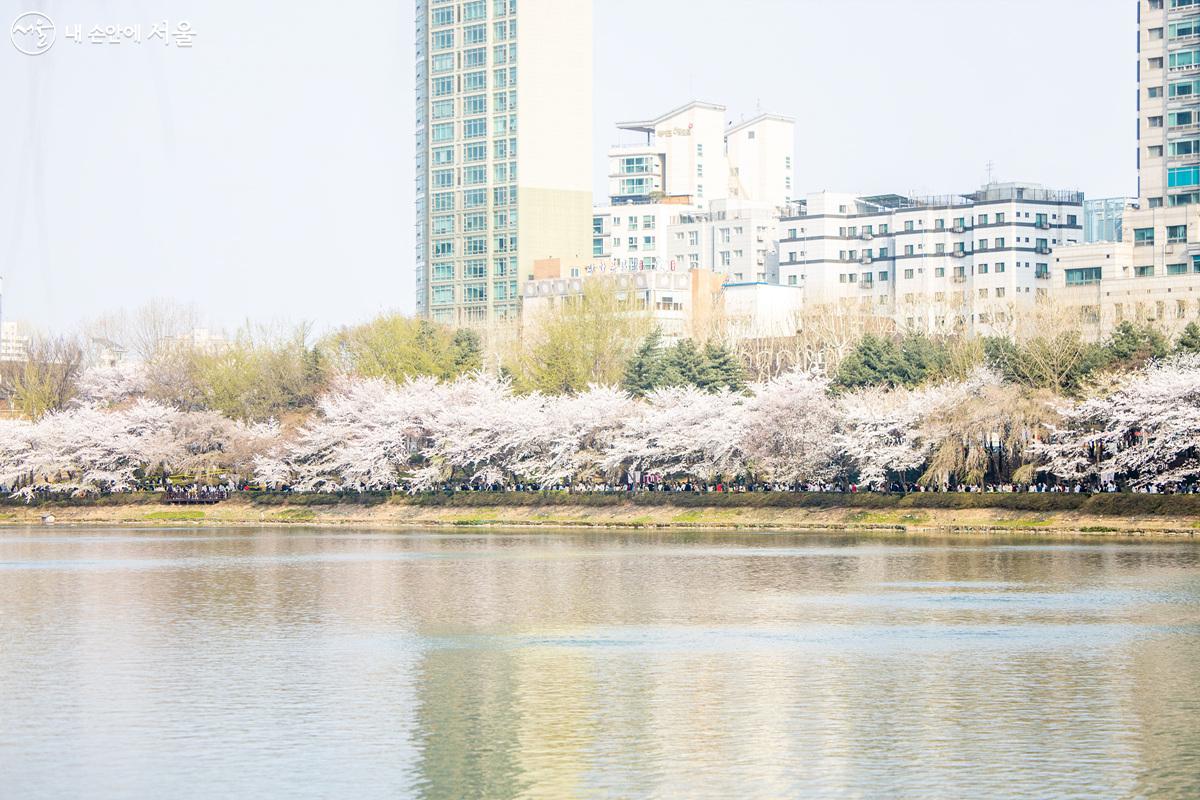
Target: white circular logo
[[32, 33]]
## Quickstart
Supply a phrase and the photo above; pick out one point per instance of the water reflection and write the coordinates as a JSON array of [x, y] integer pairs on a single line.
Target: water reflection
[[314, 664]]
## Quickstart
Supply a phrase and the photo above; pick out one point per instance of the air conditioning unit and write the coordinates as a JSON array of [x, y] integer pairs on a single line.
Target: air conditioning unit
[[867, 235], [1044, 225], [866, 259], [959, 229]]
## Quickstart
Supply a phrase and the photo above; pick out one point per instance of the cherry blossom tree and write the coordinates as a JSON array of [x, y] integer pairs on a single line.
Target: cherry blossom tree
[[789, 434], [1146, 430]]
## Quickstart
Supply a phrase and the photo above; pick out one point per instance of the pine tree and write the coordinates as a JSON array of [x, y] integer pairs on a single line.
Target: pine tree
[[683, 366], [644, 370], [1189, 340], [722, 369]]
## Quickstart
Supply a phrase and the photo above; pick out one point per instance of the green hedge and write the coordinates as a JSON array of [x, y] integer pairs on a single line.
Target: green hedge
[[1122, 504]]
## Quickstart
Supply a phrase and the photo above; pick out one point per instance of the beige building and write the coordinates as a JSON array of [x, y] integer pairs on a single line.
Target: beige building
[[1153, 273], [504, 148]]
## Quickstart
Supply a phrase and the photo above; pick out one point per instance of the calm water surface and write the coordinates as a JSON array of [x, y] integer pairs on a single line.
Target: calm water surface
[[248, 663]]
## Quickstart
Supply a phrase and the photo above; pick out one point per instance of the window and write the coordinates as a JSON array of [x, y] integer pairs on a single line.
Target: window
[[443, 62], [443, 225], [982, 244], [792, 280], [475, 152], [983, 219], [475, 104], [1041, 271], [443, 295], [443, 40], [475, 222], [475, 34], [1082, 276], [475, 293], [474, 81], [1000, 218], [1177, 269], [442, 109], [443, 201], [443, 272], [1155, 34], [442, 16], [1144, 272], [908, 249], [908, 225], [982, 269], [475, 268], [1154, 91], [474, 128], [443, 155], [1143, 236], [1154, 151], [443, 178], [443, 248], [474, 10], [474, 175], [1156, 122], [443, 86], [1183, 176], [908, 274], [1155, 202], [1176, 234], [999, 265], [1178, 119], [474, 198], [1180, 30], [476, 57], [475, 245]]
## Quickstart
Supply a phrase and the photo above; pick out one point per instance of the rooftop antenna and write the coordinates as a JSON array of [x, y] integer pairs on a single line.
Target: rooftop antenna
[[990, 168]]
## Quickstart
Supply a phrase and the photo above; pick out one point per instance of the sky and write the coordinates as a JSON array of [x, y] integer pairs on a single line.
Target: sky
[[266, 172]]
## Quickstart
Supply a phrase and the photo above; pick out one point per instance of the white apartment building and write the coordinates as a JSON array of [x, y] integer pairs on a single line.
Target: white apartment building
[[634, 237], [15, 338], [760, 152], [678, 303], [1153, 273], [949, 263], [734, 238], [692, 155], [504, 143]]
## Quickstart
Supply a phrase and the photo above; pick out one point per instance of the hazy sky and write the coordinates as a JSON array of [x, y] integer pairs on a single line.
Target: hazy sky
[[267, 172]]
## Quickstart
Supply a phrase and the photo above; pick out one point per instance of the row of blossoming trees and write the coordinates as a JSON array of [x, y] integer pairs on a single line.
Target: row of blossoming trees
[[373, 434]]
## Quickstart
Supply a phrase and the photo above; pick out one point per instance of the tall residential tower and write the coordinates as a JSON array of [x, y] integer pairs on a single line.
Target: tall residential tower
[[1153, 274], [504, 150]]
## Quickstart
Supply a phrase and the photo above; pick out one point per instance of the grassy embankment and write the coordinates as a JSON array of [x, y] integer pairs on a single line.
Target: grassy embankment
[[1032, 513]]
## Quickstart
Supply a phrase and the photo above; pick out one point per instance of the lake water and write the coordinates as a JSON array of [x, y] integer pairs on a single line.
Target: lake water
[[304, 664]]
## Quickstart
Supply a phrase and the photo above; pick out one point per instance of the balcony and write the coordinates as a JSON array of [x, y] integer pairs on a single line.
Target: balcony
[[958, 229], [1042, 224], [1042, 250], [867, 259], [866, 283], [959, 253], [866, 236]]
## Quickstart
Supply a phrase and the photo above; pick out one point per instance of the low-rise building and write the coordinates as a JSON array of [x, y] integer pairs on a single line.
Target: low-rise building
[[955, 263], [733, 237]]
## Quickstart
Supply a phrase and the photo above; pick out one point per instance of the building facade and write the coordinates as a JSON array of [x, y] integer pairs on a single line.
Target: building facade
[[504, 143], [1103, 218], [732, 237], [690, 155], [956, 263], [1152, 273]]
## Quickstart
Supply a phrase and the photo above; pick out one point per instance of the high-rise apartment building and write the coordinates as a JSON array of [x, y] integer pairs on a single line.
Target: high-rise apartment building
[[504, 150], [1153, 274]]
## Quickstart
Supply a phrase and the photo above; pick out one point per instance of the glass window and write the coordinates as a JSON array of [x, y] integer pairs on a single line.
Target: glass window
[[442, 109], [443, 155], [1143, 236], [474, 175], [443, 40], [1144, 272], [443, 272], [474, 10], [475, 104], [474, 81], [443, 132], [474, 152], [1176, 234], [475, 34], [443, 295], [1183, 176], [443, 86], [474, 128], [474, 198], [443, 62], [476, 57]]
